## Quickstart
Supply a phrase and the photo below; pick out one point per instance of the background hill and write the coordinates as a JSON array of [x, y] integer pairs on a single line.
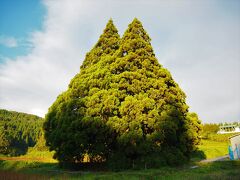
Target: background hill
[[18, 131]]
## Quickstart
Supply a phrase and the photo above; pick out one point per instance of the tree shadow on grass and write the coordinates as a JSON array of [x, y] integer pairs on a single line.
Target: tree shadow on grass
[[10, 169], [20, 176], [29, 170], [26, 165], [198, 155]]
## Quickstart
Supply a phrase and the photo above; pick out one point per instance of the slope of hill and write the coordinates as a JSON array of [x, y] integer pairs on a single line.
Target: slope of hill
[[18, 131]]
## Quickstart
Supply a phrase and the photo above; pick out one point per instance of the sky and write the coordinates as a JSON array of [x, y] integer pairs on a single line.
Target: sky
[[43, 44]]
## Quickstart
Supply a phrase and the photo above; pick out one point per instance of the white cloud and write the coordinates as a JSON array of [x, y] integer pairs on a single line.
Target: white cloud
[[10, 42], [198, 41]]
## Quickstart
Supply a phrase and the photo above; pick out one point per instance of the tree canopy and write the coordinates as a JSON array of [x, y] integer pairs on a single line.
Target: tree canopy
[[122, 107]]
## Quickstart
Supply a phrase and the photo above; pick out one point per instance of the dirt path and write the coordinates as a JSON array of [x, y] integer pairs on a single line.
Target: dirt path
[[23, 159]]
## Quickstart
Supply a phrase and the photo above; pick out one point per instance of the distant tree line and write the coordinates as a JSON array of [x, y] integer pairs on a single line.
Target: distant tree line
[[18, 131], [229, 123], [209, 128], [213, 128]]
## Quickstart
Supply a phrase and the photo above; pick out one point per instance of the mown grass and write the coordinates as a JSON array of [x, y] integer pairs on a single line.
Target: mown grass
[[215, 145], [25, 167], [213, 149]]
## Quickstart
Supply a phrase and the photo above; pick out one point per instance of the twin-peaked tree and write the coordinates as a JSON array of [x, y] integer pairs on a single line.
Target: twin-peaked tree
[[123, 107]]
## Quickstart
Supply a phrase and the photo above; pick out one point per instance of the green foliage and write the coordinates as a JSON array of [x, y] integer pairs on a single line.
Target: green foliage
[[193, 128], [4, 142], [74, 127], [41, 143], [123, 107], [209, 129], [18, 131], [106, 45], [229, 123]]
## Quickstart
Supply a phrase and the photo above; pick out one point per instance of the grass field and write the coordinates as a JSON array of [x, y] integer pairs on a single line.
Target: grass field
[[213, 149], [40, 170], [215, 145], [41, 165]]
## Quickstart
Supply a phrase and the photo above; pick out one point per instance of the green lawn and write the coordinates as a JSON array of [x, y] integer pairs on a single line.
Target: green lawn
[[213, 149], [24, 167], [35, 170]]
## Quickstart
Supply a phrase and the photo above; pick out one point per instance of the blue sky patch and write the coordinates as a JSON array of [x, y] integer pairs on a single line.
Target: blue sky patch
[[18, 19]]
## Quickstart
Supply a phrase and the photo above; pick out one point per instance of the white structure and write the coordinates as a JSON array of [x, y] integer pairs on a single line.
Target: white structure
[[229, 129], [235, 147]]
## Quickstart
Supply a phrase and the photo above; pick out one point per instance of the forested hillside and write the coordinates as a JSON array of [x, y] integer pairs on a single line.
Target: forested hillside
[[18, 131]]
